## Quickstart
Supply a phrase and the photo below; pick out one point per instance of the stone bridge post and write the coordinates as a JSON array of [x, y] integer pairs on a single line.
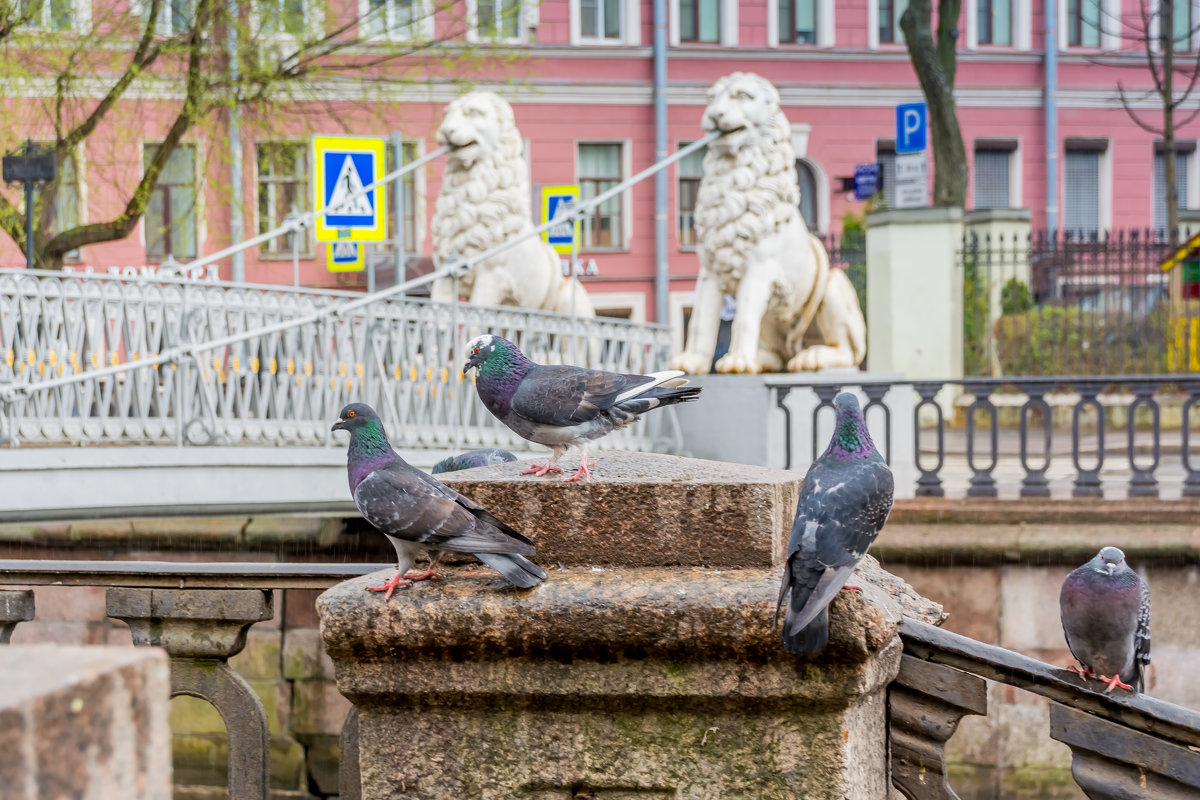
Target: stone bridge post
[[647, 666]]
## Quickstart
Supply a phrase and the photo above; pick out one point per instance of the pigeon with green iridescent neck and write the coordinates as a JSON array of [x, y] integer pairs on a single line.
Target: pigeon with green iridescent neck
[[417, 513], [1105, 609], [844, 500], [471, 459], [561, 406]]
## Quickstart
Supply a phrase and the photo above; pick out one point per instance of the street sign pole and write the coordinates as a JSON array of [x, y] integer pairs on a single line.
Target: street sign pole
[[398, 192], [33, 166]]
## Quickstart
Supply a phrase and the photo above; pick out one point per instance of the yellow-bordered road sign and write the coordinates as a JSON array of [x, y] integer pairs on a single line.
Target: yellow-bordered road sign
[[342, 166], [564, 237], [346, 256]]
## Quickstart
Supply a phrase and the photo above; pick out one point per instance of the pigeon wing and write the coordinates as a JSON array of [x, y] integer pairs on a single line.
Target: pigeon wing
[[1141, 641], [839, 518], [565, 396], [397, 501], [470, 505]]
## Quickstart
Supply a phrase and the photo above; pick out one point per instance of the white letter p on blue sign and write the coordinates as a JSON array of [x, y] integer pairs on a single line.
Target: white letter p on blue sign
[[910, 128]]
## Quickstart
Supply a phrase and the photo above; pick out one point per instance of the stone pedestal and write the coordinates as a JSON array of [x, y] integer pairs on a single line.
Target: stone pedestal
[[611, 680]]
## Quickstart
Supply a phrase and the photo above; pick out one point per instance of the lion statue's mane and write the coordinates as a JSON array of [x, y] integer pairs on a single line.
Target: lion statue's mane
[[753, 245], [484, 200]]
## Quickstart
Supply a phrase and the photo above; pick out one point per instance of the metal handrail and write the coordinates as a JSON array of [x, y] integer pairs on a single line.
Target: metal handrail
[[181, 575], [456, 267]]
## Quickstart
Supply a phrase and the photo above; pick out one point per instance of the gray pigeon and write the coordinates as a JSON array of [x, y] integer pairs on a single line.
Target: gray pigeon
[[471, 459], [844, 500], [417, 513], [1105, 609], [560, 406]]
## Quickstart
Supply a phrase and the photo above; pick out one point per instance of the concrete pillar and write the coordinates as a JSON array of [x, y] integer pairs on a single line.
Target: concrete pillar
[[999, 244], [648, 664], [914, 317]]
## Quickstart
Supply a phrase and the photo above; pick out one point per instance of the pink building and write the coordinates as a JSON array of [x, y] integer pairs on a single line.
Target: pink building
[[583, 90]]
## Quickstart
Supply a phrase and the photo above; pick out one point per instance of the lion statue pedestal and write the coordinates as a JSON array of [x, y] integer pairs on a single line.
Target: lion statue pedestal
[[753, 245], [484, 201]]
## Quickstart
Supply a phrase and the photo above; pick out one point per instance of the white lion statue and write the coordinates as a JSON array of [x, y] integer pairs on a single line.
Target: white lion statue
[[753, 245], [484, 201]]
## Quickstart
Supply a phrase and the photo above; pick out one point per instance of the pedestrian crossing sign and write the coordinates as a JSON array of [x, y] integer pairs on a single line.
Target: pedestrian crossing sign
[[342, 167], [346, 256]]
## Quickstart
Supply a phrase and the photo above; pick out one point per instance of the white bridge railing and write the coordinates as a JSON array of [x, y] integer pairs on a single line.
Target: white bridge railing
[[402, 355]]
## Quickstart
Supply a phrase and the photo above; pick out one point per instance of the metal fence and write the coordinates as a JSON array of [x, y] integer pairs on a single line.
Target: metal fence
[[400, 354], [1070, 305]]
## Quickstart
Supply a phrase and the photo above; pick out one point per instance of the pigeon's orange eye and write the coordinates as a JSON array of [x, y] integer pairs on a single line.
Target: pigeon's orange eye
[[476, 351], [351, 414]]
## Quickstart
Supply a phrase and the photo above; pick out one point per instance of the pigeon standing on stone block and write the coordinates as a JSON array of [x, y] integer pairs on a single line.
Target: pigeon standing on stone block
[[1105, 609], [472, 459], [417, 513], [561, 406], [844, 501]]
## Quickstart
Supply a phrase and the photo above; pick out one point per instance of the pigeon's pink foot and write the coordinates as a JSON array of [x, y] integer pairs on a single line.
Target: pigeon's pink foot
[[540, 471], [582, 472], [430, 574], [390, 586], [1085, 672], [1114, 682], [851, 588]]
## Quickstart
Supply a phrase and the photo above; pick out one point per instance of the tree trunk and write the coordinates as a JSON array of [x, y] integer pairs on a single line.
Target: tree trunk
[[935, 64], [1168, 95]]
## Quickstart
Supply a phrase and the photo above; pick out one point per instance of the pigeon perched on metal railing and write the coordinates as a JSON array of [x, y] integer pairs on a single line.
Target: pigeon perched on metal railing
[[1105, 608], [844, 500], [561, 406], [471, 459], [417, 513]]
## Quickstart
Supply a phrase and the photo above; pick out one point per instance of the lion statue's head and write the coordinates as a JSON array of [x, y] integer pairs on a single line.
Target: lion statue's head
[[484, 197], [749, 186]]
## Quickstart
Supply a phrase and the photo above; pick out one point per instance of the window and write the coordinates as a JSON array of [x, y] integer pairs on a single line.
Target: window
[[1081, 191], [1182, 22], [65, 214], [1183, 169], [798, 21], [995, 22], [807, 180], [498, 19], [885, 156], [600, 170], [691, 169], [282, 190], [407, 233], [170, 218], [48, 15], [175, 17], [699, 20], [393, 19], [889, 20], [600, 19], [283, 17], [1083, 23], [993, 175]]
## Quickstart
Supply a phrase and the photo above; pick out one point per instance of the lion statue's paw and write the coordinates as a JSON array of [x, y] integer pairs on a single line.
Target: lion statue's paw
[[819, 357], [691, 363], [738, 363]]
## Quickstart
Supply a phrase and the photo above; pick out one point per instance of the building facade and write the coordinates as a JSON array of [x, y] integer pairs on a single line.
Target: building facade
[[581, 82]]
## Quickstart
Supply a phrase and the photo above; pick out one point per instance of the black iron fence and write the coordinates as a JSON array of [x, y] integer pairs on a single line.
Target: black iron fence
[[1072, 305], [849, 252]]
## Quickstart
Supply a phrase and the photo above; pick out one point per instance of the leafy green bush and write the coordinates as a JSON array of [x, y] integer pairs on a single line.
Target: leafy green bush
[[1015, 297], [1053, 340]]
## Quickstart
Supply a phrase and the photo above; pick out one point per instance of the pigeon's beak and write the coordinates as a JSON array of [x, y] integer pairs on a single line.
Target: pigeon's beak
[[1111, 567], [340, 425]]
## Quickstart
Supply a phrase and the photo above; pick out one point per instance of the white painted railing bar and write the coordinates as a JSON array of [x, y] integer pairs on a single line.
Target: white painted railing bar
[[456, 267]]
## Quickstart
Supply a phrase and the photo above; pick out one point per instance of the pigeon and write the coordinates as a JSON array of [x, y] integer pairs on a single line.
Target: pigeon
[[416, 512], [1105, 609], [844, 500], [472, 458], [560, 406]]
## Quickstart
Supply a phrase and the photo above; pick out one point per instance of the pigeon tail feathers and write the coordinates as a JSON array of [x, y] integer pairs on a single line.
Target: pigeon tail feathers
[[808, 640], [516, 569]]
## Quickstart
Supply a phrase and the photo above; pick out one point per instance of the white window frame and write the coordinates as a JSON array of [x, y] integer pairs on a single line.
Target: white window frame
[[306, 241], [314, 22], [1105, 203], [729, 25], [631, 26], [1016, 187], [524, 15], [626, 199], [81, 19], [421, 31], [634, 301], [1110, 27], [1191, 151], [873, 42], [199, 208], [1022, 26], [683, 248], [823, 200], [825, 25]]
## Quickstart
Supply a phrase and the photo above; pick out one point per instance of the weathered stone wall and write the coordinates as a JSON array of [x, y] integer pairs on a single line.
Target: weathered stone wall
[[997, 568], [87, 723]]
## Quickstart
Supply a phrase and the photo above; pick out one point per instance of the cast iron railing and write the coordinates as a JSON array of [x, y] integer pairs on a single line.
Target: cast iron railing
[[1058, 432], [1123, 745]]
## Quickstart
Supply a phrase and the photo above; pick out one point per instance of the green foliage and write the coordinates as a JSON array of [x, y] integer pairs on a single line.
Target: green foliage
[[854, 250], [975, 318], [1015, 297], [1053, 340]]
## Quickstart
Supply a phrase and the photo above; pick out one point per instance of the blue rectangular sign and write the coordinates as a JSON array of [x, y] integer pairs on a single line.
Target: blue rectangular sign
[[911, 124], [866, 181]]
